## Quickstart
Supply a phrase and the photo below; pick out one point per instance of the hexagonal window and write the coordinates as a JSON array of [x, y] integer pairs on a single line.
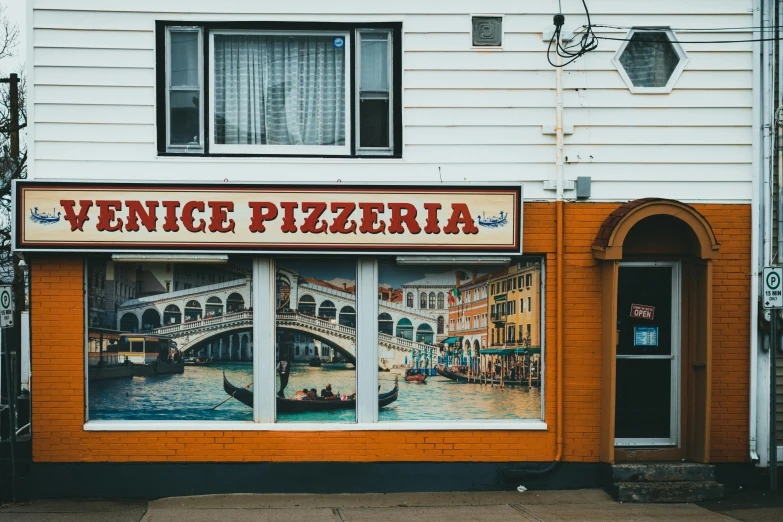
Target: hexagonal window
[[650, 61]]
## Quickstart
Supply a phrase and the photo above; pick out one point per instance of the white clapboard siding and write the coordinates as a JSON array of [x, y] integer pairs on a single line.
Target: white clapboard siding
[[94, 39], [634, 135], [119, 114], [659, 117], [478, 116], [688, 80], [98, 151], [666, 154], [534, 41], [478, 98], [474, 135], [426, 79], [83, 95], [677, 98], [529, 61], [691, 172], [480, 153], [96, 132], [469, 114], [246, 170], [126, 58], [89, 76]]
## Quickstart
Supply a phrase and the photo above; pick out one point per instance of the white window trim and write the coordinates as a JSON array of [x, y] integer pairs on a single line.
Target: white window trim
[[374, 151], [287, 150], [185, 148], [684, 59], [264, 404]]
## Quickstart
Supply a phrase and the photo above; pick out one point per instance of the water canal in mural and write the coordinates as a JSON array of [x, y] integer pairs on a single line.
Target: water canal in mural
[[192, 395]]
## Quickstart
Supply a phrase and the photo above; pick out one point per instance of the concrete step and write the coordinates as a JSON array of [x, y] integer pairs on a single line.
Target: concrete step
[[668, 491], [662, 472]]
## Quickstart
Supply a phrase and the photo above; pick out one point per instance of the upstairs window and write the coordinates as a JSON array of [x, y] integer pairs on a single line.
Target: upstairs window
[[650, 61], [299, 89]]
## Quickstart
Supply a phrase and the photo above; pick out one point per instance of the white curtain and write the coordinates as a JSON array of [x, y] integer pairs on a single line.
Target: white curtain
[[279, 90]]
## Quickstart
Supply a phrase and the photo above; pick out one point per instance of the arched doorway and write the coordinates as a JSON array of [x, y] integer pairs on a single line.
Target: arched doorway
[[424, 334], [327, 310], [129, 323], [405, 329], [385, 324], [150, 319], [306, 305], [235, 303], [172, 315], [348, 316], [656, 264], [192, 310], [213, 307]]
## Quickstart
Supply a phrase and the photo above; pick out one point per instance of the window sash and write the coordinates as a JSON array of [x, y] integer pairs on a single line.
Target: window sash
[[294, 150], [176, 147], [375, 95]]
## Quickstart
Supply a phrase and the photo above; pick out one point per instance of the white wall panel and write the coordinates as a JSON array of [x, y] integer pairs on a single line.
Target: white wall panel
[[469, 115]]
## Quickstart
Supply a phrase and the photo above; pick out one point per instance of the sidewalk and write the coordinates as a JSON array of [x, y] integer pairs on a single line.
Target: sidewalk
[[583, 505]]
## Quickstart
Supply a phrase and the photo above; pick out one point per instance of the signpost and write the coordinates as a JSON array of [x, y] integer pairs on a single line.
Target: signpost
[[7, 321], [772, 296]]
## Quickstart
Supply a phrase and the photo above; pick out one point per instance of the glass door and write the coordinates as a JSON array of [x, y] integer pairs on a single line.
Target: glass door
[[648, 341]]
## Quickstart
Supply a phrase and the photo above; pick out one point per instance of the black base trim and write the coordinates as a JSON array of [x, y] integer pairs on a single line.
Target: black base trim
[[156, 480]]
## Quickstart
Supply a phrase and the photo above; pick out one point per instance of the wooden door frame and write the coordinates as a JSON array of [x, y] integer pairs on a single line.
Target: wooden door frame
[[696, 329]]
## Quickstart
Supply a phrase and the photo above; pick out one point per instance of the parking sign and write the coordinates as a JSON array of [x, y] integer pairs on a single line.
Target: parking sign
[[773, 289], [6, 307]]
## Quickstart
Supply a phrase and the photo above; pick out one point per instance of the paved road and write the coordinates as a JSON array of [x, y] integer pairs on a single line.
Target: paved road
[[582, 505]]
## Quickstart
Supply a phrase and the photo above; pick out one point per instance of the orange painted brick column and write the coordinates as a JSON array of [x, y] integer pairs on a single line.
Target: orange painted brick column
[[58, 369]]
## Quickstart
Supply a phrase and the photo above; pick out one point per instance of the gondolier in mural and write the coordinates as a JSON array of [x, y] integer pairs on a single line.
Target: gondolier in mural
[[284, 370]]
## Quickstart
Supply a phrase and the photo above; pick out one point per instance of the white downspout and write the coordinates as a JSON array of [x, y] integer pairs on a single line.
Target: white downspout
[[760, 248]]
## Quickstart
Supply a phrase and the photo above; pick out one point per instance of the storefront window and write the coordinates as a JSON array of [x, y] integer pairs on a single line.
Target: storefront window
[[443, 369], [161, 338], [315, 327]]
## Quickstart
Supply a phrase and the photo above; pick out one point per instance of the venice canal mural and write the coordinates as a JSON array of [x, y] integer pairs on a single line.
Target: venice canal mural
[[454, 342]]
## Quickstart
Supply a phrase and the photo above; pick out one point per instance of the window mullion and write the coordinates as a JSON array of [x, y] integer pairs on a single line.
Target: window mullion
[[367, 340], [263, 297]]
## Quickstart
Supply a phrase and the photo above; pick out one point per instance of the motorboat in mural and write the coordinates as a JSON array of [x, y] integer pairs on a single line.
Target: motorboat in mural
[[44, 218]]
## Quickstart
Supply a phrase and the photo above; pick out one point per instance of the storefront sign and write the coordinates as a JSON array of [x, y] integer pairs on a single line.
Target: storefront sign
[[642, 312], [645, 336], [264, 218]]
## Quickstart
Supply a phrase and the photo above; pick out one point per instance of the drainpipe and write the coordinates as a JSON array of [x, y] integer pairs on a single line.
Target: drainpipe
[[759, 220], [560, 166]]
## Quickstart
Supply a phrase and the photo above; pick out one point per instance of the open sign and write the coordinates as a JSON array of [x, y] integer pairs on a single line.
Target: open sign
[[642, 312]]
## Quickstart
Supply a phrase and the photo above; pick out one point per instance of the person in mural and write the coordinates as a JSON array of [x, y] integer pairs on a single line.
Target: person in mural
[[284, 370], [326, 393]]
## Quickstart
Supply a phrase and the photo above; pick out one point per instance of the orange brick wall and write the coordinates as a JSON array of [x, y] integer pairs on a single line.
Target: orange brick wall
[[58, 369]]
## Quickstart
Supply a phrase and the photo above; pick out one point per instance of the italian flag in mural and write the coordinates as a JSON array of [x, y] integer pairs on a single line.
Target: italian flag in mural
[[454, 296]]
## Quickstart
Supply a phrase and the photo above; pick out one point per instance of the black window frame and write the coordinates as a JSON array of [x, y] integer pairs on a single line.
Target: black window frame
[[161, 91]]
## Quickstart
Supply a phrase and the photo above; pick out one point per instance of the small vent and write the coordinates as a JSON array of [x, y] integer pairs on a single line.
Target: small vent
[[487, 31]]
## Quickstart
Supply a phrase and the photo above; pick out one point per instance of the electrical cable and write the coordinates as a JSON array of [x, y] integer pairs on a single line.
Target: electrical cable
[[573, 48]]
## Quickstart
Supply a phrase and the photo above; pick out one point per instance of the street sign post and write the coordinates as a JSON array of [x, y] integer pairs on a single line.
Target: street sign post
[[772, 297], [6, 307]]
